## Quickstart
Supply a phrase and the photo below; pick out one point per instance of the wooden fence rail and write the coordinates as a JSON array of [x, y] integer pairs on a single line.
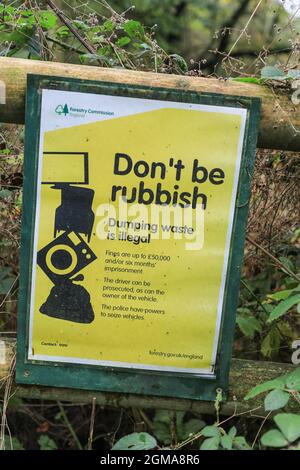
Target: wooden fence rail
[[280, 120], [243, 376]]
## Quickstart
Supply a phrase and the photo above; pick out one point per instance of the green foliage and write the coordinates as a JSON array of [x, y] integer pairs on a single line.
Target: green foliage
[[262, 317], [256, 81], [117, 41], [286, 383], [288, 433], [163, 421], [285, 305], [248, 324], [276, 399], [46, 443], [136, 441], [12, 443], [7, 279], [219, 439], [274, 73], [274, 438]]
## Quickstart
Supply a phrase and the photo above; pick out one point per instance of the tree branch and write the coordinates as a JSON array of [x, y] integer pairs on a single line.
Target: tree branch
[[73, 30]]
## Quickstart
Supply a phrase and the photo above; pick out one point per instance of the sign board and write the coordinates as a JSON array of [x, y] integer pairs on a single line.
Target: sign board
[[135, 204]]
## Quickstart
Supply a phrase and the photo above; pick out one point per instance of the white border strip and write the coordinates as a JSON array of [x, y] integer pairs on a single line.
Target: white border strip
[[166, 104]]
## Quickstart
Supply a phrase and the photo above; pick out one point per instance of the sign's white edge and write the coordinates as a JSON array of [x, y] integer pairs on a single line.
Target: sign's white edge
[[151, 105]]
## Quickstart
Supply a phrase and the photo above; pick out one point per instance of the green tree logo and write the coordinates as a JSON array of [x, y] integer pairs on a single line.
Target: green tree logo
[[60, 109]]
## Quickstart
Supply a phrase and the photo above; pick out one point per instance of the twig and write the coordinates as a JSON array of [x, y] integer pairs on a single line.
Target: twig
[[73, 30], [69, 425], [260, 428], [92, 424], [244, 29], [199, 434], [64, 45], [6, 398], [254, 296], [272, 257]]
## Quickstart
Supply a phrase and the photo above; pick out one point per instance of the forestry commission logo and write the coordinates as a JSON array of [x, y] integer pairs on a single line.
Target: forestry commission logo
[[62, 109]]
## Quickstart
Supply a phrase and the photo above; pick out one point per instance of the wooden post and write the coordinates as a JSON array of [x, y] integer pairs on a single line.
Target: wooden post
[[244, 375], [280, 120]]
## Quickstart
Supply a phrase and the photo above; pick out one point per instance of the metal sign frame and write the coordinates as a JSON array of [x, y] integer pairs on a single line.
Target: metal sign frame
[[102, 378]]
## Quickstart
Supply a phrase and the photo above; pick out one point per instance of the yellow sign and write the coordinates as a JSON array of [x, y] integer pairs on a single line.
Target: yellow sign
[[134, 218]]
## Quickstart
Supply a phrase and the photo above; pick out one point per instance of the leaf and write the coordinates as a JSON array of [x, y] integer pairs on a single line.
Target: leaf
[[276, 399], [136, 441], [123, 41], [5, 193], [48, 20], [46, 443], [232, 432], [180, 62], [108, 26], [275, 384], [210, 444], [161, 426], [273, 438], [289, 425], [248, 80], [211, 431], [293, 380], [226, 442], [294, 74], [272, 73], [281, 295], [240, 443], [270, 343], [248, 325], [134, 29], [6, 284], [283, 307], [12, 443], [63, 31], [287, 262], [190, 427]]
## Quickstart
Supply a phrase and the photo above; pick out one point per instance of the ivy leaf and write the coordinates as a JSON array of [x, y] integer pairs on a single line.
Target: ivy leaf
[[293, 380], [289, 425], [276, 399], [283, 307], [274, 438], [275, 384], [136, 441], [211, 443]]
